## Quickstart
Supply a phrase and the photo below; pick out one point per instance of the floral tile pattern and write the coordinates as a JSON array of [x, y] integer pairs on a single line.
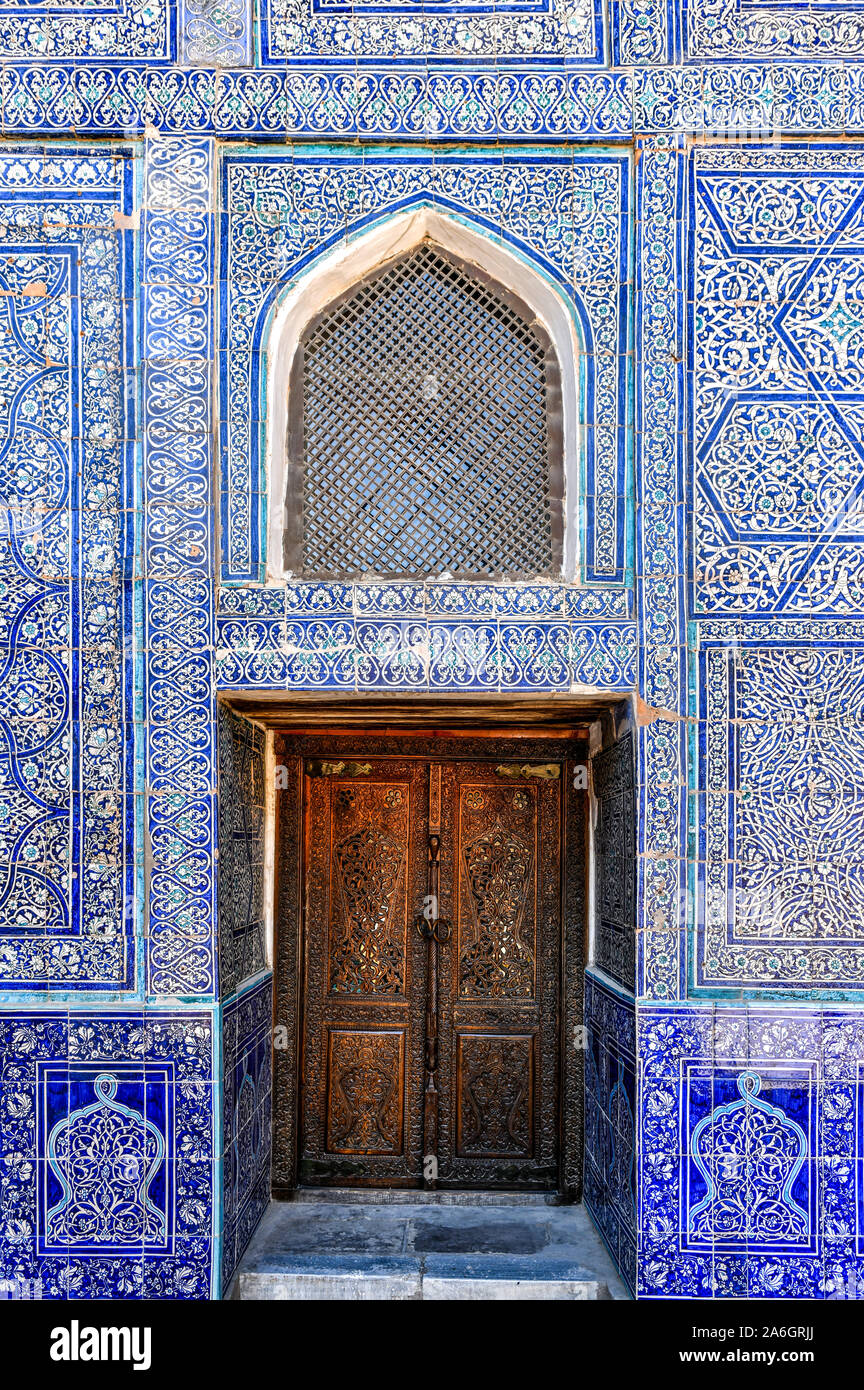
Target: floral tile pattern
[[343, 653], [142, 30], [452, 33], [780, 792], [177, 344], [66, 770]]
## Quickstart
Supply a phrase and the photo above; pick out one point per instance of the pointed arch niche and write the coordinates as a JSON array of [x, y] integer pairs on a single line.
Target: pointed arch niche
[[352, 261]]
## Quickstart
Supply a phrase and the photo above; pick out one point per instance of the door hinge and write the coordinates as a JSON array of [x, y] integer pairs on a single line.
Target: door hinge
[[547, 771], [318, 767]]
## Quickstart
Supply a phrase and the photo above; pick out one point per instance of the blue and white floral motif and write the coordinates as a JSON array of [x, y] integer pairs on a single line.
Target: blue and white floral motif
[[661, 677], [107, 1152], [123, 30], [106, 1156], [181, 747], [216, 33], [639, 31], [749, 1154], [451, 31], [347, 654], [729, 30]]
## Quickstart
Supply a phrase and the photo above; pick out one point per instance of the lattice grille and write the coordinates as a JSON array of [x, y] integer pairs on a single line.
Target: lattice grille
[[425, 437]]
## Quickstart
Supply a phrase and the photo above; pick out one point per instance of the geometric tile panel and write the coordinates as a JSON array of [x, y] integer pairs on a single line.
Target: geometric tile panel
[[65, 575], [107, 1145], [778, 381]]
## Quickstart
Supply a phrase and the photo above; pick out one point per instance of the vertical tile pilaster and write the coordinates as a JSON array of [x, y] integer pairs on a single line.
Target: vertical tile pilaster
[[178, 566]]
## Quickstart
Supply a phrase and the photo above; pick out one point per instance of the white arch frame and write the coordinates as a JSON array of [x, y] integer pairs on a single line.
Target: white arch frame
[[343, 266]]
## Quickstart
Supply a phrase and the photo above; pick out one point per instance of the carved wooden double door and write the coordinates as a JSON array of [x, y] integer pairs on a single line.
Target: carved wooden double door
[[432, 968]]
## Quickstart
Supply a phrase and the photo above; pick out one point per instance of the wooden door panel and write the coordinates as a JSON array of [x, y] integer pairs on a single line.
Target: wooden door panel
[[362, 1062], [496, 849], [369, 910], [495, 1095], [365, 1090], [499, 1051]]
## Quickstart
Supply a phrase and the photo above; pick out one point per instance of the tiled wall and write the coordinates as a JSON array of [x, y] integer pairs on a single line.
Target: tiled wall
[[242, 809], [612, 782], [610, 1119], [247, 1011], [717, 290], [247, 1050]]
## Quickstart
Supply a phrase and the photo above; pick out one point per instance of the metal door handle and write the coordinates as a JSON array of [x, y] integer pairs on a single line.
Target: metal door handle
[[438, 929]]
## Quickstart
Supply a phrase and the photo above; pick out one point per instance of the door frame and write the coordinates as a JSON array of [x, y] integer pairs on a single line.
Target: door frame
[[529, 744]]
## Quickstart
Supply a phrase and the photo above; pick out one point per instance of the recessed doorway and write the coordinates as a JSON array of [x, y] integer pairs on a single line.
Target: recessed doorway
[[430, 942]]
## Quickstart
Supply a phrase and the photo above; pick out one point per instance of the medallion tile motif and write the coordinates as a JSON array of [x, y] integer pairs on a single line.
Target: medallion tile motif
[[107, 1134]]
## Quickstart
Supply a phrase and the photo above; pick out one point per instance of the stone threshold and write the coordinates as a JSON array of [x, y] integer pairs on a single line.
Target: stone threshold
[[359, 1246]]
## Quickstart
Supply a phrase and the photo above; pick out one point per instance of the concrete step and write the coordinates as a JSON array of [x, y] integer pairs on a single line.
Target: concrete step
[[356, 1250], [395, 1277]]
